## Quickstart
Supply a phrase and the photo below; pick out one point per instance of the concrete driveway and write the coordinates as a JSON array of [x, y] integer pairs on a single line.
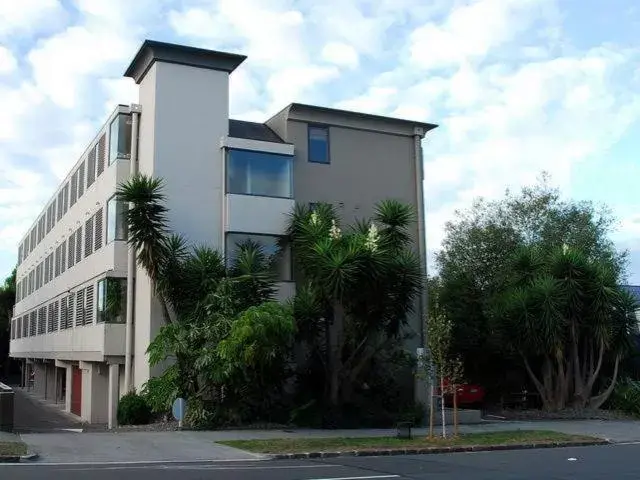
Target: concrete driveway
[[32, 415], [127, 447]]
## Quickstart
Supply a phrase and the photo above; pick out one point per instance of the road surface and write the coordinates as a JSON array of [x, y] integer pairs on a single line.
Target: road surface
[[585, 463]]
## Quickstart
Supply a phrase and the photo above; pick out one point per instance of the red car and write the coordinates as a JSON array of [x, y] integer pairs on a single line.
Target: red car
[[467, 394]]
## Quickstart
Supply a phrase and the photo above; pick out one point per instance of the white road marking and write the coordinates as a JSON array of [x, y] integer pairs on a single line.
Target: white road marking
[[357, 478]]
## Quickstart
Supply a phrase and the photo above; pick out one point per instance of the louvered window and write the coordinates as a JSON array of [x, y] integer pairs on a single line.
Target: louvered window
[[73, 194], [88, 305], [81, 180], [101, 153], [25, 326], [31, 282], [41, 320], [57, 262], [63, 257], [63, 313], [72, 250], [50, 319], [88, 237], [65, 198], [33, 238], [56, 316], [70, 310], [98, 226], [79, 308], [59, 206], [79, 244], [51, 260], [91, 167], [33, 324]]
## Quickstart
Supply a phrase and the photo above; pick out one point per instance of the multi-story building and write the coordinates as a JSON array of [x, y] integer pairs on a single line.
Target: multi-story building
[[82, 337]]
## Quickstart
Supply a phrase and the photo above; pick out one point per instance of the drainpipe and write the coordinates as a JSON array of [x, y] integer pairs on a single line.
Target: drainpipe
[[418, 135], [131, 259]]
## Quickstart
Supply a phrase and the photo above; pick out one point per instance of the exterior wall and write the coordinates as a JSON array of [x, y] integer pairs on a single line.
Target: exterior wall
[[95, 391], [185, 113]]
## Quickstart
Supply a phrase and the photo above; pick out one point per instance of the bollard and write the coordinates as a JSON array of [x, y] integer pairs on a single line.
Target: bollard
[[6, 408]]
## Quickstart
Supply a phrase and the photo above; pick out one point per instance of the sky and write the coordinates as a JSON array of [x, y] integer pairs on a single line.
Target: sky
[[517, 87]]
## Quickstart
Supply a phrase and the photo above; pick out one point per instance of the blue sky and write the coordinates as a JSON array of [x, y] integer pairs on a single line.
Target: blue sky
[[518, 86]]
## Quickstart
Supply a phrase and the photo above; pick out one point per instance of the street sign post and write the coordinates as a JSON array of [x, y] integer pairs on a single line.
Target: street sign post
[[179, 409]]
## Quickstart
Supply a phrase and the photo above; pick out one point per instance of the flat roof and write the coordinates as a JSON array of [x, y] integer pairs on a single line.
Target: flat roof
[[301, 107], [153, 51]]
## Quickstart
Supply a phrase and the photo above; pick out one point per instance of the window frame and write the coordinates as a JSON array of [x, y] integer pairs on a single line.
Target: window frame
[[326, 128], [257, 234], [227, 161], [126, 234], [118, 155]]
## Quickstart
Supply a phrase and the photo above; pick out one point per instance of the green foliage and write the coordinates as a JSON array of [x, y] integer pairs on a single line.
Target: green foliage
[[567, 311], [475, 266], [626, 397], [7, 301], [133, 410], [361, 284], [160, 392]]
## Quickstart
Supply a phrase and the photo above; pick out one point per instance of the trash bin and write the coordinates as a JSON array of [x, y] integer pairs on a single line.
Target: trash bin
[[6, 408]]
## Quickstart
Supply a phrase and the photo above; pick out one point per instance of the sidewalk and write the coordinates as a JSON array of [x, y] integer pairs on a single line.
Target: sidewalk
[[198, 445]]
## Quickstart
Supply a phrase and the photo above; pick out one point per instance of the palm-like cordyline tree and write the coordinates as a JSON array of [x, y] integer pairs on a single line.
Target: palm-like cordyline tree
[[364, 280], [568, 318]]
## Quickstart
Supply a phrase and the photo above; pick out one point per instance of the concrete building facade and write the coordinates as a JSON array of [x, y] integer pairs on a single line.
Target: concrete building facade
[[85, 313]]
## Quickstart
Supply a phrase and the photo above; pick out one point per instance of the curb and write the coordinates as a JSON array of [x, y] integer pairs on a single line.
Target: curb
[[19, 458], [433, 450]]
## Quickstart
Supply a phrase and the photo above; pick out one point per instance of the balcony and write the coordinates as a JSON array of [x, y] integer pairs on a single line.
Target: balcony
[[88, 343]]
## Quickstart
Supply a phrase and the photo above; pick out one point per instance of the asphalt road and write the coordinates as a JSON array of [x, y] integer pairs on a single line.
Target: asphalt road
[[585, 463]]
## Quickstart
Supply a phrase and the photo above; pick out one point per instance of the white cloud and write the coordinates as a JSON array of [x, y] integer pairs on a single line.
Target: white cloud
[[22, 17], [473, 30], [8, 62], [340, 54]]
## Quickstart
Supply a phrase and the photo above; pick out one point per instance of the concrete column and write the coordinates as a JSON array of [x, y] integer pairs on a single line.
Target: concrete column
[[114, 395], [95, 386], [68, 387]]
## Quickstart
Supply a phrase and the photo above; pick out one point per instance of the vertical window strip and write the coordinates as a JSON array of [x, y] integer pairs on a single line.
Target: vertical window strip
[[50, 319], [88, 237], [101, 155], [73, 195], [72, 250], [63, 313], [98, 229], [91, 166], [88, 309], [81, 180], [79, 244], [56, 316], [63, 259], [79, 308]]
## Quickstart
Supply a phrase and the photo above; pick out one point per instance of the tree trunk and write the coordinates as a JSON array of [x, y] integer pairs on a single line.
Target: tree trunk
[[444, 419], [597, 401], [432, 413], [335, 369], [455, 410]]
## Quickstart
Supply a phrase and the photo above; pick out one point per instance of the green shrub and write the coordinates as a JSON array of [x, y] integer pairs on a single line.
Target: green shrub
[[626, 397], [160, 392], [133, 409]]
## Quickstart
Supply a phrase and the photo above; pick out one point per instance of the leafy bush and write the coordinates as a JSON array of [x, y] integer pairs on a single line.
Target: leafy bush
[[160, 392], [626, 397], [133, 409]]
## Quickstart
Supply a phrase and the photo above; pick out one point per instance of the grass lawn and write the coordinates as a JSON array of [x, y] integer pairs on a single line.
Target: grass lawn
[[302, 445], [12, 448]]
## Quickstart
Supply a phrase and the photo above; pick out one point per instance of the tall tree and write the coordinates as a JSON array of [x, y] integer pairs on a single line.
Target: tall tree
[[566, 314], [359, 285], [7, 301], [474, 266]]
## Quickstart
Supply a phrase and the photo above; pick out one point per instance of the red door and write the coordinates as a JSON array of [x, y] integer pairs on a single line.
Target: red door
[[76, 392]]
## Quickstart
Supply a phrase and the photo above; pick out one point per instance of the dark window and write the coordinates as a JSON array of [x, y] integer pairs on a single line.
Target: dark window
[[120, 138], [259, 173], [279, 257], [116, 220], [319, 144], [112, 300]]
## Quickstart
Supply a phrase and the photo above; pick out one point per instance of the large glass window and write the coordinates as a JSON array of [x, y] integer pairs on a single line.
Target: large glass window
[[279, 255], [259, 173], [120, 138], [112, 300], [117, 228], [318, 144]]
